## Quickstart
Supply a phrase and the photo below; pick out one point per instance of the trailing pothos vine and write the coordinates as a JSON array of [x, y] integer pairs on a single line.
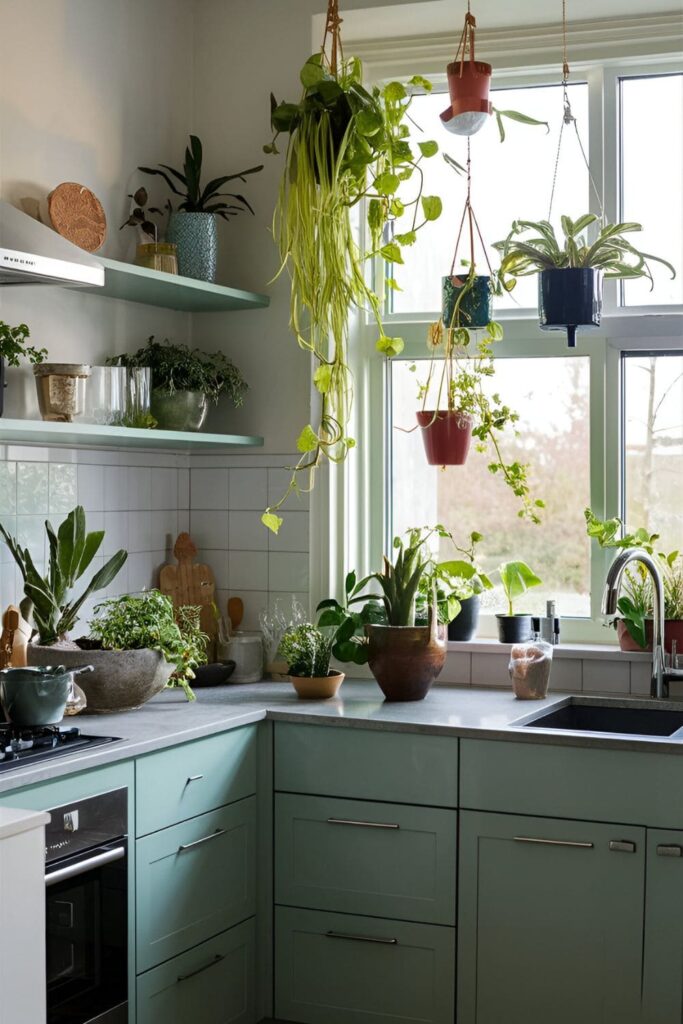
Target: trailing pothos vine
[[345, 143]]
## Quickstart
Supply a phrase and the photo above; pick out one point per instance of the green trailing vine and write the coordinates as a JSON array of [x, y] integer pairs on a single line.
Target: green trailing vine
[[345, 143]]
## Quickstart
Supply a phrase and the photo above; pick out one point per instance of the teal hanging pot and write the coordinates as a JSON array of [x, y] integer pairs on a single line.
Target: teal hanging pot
[[195, 236], [475, 305]]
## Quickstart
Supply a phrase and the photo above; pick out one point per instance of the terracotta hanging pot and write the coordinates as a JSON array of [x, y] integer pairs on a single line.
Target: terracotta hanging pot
[[568, 298], [405, 660], [468, 85], [446, 436], [475, 305]]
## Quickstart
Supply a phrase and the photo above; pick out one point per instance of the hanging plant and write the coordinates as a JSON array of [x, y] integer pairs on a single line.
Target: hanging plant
[[571, 271], [346, 143]]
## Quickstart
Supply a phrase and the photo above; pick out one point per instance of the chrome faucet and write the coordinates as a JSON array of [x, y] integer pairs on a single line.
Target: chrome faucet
[[661, 675]]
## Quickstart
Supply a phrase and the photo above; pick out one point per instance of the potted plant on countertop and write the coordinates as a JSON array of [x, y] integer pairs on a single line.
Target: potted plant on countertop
[[307, 651], [634, 624], [459, 582], [571, 271], [516, 578], [184, 380], [192, 227], [13, 347]]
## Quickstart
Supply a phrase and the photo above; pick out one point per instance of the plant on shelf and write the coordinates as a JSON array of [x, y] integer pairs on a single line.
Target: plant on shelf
[[459, 584], [184, 380], [346, 144], [192, 227], [516, 579], [149, 622], [571, 270], [13, 347], [634, 625], [49, 603], [140, 218], [307, 650]]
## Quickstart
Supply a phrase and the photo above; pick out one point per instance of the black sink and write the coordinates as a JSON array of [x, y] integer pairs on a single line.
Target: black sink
[[601, 718]]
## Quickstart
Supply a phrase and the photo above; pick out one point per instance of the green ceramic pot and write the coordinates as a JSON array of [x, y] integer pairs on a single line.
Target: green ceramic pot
[[182, 410], [34, 696], [475, 306]]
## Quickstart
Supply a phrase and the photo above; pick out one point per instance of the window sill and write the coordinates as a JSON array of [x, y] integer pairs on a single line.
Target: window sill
[[608, 652]]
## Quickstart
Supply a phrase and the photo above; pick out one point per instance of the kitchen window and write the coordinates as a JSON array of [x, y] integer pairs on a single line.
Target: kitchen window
[[581, 412]]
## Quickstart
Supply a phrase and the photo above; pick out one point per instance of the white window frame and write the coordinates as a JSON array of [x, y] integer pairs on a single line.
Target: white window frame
[[351, 515]]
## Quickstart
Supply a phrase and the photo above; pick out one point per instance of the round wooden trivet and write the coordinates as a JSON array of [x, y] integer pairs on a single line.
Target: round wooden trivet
[[76, 214]]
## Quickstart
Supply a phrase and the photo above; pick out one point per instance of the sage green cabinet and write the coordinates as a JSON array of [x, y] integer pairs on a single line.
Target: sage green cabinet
[[194, 880], [347, 969], [663, 949], [353, 856], [550, 923], [213, 982]]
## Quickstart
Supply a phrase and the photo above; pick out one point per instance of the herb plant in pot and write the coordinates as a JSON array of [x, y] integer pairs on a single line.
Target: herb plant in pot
[[13, 347], [571, 271], [307, 652], [516, 578], [192, 227], [184, 380]]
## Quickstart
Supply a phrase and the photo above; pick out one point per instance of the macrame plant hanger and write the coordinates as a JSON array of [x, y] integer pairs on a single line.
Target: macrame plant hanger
[[332, 35], [468, 85], [467, 287]]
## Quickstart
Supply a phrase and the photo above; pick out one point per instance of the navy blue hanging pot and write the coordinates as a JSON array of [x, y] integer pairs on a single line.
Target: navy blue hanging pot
[[568, 298]]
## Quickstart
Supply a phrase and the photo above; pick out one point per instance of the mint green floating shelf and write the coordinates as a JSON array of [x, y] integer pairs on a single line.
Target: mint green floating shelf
[[91, 435], [155, 288]]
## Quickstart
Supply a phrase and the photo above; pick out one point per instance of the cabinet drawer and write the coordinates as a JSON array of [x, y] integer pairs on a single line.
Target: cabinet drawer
[[401, 767], [387, 860], [185, 781], [621, 786], [341, 969], [193, 881], [215, 978]]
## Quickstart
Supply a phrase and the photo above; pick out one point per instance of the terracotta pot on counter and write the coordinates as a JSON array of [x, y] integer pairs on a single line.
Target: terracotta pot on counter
[[673, 630], [405, 660], [317, 687]]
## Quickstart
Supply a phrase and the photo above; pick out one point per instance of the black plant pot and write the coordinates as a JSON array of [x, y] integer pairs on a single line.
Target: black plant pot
[[475, 306], [514, 629], [2, 385], [464, 625], [569, 298]]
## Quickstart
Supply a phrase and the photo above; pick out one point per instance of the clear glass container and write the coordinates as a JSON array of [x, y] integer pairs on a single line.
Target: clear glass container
[[529, 668], [245, 648], [105, 396], [138, 395], [157, 256]]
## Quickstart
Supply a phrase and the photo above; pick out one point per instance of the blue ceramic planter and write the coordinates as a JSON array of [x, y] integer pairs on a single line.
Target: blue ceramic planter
[[568, 298], [196, 238]]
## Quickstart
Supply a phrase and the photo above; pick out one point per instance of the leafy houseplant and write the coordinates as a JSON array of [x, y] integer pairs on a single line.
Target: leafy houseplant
[[49, 600], [184, 380], [307, 652], [634, 627], [516, 578], [346, 143], [571, 270], [13, 347], [459, 368], [150, 253], [459, 583], [192, 227]]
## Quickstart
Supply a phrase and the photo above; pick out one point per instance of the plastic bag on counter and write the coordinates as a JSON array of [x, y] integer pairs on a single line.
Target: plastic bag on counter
[[529, 668]]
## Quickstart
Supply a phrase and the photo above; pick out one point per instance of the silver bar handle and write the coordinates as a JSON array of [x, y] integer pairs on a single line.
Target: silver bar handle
[[361, 824], [204, 839], [361, 938], [74, 870], [193, 778], [669, 850], [200, 970], [554, 842]]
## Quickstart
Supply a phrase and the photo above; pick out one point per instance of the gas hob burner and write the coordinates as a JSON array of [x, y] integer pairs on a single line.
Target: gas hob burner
[[19, 747]]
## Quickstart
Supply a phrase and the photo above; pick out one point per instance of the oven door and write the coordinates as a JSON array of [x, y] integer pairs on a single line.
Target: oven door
[[87, 937]]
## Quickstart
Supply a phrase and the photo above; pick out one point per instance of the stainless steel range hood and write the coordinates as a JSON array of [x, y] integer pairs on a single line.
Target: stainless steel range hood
[[31, 253]]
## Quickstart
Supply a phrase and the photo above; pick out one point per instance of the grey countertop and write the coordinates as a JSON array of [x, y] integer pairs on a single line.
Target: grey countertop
[[447, 710]]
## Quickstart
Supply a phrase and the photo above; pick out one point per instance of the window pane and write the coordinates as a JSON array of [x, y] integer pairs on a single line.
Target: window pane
[[510, 180], [552, 398], [651, 176], [653, 435]]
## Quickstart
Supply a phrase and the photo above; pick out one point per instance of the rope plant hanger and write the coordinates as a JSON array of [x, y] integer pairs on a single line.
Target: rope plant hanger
[[468, 85], [346, 144], [571, 270]]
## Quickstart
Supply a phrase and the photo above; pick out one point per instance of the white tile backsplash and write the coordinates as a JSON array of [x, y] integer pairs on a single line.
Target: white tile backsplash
[[63, 488], [164, 489], [116, 489], [249, 489], [247, 532], [248, 570], [209, 529], [8, 488], [293, 534], [139, 488], [32, 487], [287, 571], [209, 489], [606, 676], [91, 488]]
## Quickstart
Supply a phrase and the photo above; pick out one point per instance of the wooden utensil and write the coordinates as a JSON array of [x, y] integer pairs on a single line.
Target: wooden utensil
[[191, 583], [16, 633], [235, 612]]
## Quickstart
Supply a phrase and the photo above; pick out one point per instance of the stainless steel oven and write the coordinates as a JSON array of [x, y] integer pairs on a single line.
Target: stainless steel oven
[[86, 892]]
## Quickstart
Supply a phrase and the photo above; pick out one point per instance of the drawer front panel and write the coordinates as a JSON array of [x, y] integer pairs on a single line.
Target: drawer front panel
[[188, 780], [214, 981], [193, 881], [353, 856], [342, 969], [621, 786], [367, 764]]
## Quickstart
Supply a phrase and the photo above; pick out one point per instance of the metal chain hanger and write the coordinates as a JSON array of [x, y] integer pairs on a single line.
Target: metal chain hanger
[[569, 119]]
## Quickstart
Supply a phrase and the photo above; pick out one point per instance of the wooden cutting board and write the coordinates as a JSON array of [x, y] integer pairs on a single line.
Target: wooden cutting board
[[16, 633], [192, 583]]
